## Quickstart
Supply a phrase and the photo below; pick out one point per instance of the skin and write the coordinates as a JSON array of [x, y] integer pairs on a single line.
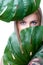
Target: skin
[[28, 21]]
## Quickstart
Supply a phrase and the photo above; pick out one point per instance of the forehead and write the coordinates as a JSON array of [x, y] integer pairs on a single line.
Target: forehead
[[31, 17]]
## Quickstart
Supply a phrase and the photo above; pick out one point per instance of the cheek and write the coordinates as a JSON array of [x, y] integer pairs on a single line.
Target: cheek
[[38, 24]]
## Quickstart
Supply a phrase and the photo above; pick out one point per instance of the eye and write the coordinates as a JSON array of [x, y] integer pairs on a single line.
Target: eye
[[23, 22], [34, 22]]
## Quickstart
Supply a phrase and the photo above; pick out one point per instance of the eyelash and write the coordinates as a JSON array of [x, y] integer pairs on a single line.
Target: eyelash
[[22, 22], [33, 22]]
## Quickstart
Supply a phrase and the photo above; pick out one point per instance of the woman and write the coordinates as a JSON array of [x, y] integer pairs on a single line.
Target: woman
[[29, 21]]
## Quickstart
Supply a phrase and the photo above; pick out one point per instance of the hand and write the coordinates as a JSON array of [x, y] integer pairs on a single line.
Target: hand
[[35, 61]]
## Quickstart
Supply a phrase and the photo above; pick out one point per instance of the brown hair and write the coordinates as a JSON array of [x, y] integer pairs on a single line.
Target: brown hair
[[39, 14]]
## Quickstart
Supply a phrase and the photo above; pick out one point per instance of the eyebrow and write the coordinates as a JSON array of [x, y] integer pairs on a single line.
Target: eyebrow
[[34, 20], [23, 20], [30, 21]]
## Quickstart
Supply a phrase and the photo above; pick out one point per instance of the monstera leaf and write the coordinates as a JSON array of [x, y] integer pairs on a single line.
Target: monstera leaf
[[17, 9], [20, 52]]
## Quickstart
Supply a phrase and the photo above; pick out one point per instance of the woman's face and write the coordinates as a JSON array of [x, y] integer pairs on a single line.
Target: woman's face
[[28, 21]]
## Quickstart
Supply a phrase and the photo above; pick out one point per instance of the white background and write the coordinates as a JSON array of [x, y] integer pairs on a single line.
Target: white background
[[6, 30]]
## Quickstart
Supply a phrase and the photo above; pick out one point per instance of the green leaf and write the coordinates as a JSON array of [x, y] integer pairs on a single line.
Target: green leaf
[[31, 42], [17, 9], [39, 54], [31, 39]]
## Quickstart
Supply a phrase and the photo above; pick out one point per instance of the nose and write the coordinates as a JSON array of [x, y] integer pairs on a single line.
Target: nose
[[28, 25]]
